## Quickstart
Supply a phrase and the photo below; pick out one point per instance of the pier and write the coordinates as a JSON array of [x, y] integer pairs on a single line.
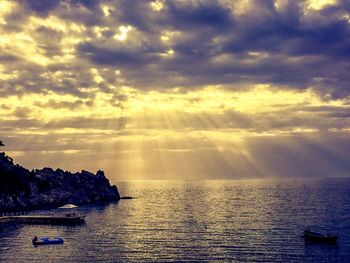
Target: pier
[[44, 219]]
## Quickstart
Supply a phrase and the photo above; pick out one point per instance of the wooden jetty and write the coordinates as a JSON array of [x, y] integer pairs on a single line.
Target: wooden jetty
[[67, 219]]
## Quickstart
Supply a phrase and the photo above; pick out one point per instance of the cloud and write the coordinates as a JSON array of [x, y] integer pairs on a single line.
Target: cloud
[[104, 56], [190, 15], [41, 7], [138, 71], [188, 44]]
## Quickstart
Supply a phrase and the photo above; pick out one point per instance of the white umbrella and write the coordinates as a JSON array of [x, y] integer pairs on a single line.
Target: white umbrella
[[68, 206]]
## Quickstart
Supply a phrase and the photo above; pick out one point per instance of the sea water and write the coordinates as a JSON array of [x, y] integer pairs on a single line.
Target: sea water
[[204, 221]]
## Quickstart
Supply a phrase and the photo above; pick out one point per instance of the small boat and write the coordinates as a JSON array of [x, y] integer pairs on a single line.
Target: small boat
[[47, 241], [318, 237]]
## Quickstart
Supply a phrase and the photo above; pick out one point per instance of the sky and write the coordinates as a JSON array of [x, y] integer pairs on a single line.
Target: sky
[[189, 90]]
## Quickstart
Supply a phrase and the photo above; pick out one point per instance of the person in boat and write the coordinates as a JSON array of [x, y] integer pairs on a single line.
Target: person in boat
[[35, 239], [1, 144]]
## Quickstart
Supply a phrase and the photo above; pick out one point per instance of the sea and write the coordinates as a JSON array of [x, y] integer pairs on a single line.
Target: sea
[[198, 221]]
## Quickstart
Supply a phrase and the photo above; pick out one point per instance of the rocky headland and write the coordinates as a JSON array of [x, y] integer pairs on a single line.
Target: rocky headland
[[21, 189]]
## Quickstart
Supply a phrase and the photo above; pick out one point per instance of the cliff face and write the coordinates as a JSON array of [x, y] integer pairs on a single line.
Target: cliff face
[[21, 189]]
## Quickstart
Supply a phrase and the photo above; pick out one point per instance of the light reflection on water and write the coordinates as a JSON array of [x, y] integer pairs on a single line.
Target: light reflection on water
[[238, 221]]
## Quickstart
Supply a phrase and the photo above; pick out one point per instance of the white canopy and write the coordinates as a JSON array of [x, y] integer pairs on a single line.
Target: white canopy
[[69, 206]]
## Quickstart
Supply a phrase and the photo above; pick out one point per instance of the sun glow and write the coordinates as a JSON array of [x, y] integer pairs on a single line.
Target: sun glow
[[320, 4], [106, 10], [157, 5], [123, 33], [153, 133], [5, 8], [260, 99], [189, 87]]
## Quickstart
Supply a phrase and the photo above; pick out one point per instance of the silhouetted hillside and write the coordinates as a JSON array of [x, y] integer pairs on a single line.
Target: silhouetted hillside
[[21, 189]]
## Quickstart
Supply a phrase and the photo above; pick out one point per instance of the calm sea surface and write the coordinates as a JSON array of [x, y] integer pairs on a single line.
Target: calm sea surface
[[173, 221]]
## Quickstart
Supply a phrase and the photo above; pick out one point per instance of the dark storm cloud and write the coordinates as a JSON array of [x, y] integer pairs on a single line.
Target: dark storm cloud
[[44, 7], [8, 58], [91, 4], [41, 7], [31, 79], [136, 13], [213, 43], [299, 47], [116, 57], [176, 14], [187, 16]]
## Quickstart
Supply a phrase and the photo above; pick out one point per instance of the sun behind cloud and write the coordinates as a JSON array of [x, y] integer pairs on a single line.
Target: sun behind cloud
[[176, 89]]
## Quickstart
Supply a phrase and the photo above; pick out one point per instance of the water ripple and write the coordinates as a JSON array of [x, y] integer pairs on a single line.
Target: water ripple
[[205, 221]]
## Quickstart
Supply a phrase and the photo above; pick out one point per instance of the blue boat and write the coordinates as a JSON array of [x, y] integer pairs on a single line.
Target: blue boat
[[47, 241]]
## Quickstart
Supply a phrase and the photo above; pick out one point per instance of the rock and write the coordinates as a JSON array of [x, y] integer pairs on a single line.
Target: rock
[[21, 189], [47, 170]]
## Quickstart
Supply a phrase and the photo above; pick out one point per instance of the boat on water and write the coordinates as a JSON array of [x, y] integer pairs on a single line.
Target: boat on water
[[47, 241], [318, 237]]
